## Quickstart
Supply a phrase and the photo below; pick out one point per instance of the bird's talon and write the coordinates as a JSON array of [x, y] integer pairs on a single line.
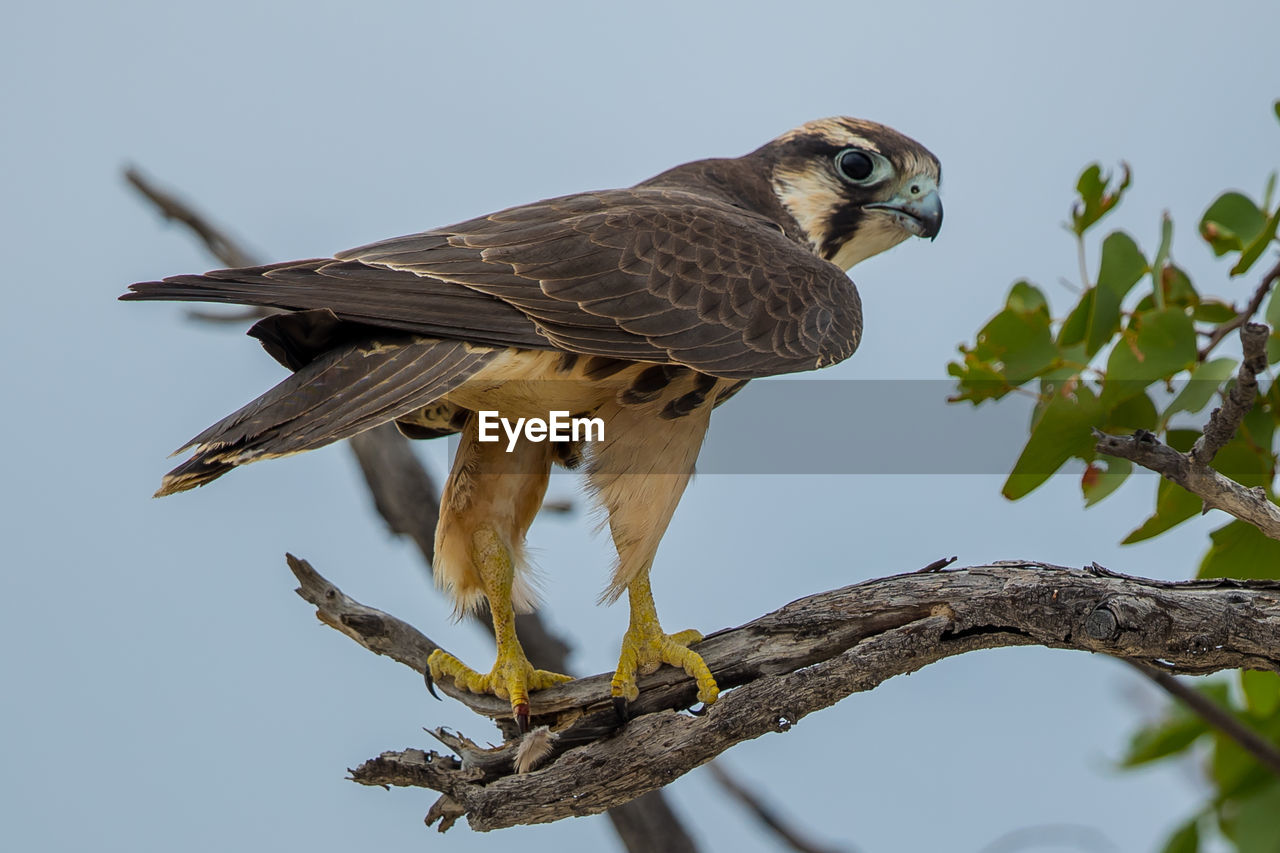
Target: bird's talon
[[699, 710], [431, 684], [620, 709], [522, 717]]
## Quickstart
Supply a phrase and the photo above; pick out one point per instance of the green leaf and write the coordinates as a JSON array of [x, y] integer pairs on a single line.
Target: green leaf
[[1240, 550], [1273, 310], [1254, 249], [1096, 199], [1062, 431], [1231, 223], [1121, 267], [1174, 505], [1186, 839], [1206, 379], [1237, 773], [1181, 440], [1257, 825], [1135, 413], [1261, 691], [1102, 477], [1164, 345], [977, 380], [1076, 326], [1167, 737], [1249, 463], [1026, 298], [1276, 106], [1213, 311], [1018, 343], [1177, 287]]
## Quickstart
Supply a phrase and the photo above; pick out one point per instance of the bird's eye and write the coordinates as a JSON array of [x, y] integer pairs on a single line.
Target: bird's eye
[[854, 166]]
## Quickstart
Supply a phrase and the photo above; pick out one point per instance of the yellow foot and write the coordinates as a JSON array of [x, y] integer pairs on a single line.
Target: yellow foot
[[645, 648], [512, 677]]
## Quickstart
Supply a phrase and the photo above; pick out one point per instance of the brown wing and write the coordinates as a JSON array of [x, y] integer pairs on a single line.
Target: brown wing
[[646, 274]]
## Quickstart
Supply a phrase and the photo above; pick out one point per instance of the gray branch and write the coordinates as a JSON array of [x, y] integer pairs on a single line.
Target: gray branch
[[1216, 490], [1192, 470], [1225, 420], [799, 659]]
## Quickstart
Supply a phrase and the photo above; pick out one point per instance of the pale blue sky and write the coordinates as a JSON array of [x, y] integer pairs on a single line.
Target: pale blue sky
[[164, 689]]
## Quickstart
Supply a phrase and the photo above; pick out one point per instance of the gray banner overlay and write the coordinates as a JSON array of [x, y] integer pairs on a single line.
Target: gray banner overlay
[[870, 427]]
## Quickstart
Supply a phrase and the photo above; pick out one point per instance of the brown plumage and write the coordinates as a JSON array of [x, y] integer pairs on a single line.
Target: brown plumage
[[643, 307]]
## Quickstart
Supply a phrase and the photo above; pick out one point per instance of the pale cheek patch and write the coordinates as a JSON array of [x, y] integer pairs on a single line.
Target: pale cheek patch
[[810, 197]]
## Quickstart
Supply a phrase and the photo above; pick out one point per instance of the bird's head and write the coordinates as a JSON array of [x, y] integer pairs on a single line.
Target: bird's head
[[854, 187]]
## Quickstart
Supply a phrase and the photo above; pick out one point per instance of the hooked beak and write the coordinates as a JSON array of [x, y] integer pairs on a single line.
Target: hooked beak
[[919, 214]]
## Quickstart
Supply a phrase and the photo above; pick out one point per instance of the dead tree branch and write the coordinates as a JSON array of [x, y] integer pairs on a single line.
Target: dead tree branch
[[799, 659], [1192, 470], [227, 250]]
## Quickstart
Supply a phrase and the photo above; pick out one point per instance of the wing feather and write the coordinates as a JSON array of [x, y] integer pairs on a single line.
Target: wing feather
[[648, 274]]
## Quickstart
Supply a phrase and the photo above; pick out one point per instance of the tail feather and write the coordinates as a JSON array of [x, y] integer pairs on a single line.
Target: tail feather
[[342, 393]]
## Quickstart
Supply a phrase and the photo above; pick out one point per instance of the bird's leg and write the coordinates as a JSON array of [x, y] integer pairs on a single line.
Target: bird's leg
[[512, 676], [645, 647]]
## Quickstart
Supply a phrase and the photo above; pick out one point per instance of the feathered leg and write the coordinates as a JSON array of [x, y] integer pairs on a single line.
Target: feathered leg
[[639, 474], [489, 502]]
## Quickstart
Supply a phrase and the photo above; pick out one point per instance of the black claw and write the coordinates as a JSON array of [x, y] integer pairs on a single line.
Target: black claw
[[620, 709], [522, 717], [699, 710], [431, 685]]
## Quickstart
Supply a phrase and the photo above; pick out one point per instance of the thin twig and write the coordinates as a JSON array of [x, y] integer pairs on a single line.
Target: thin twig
[[227, 250], [1215, 715], [768, 815], [1245, 315]]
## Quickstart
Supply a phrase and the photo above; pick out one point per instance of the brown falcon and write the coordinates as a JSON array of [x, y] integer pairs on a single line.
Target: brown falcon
[[643, 307]]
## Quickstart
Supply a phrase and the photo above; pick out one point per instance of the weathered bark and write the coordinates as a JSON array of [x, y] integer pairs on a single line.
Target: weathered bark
[[799, 659]]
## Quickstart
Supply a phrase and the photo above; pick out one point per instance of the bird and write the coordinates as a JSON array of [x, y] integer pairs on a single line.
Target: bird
[[640, 309]]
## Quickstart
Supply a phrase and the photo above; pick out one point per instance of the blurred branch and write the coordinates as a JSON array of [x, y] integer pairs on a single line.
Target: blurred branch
[[766, 813], [224, 248], [799, 659], [1192, 470], [406, 496], [1215, 715]]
